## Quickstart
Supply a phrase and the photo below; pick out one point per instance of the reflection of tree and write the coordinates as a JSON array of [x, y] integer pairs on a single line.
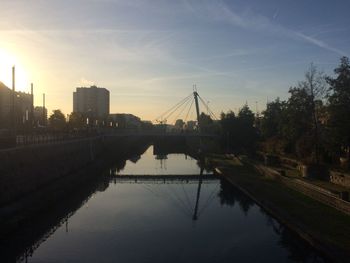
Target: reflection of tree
[[161, 156], [22, 244], [135, 158], [118, 166], [299, 250], [203, 164], [133, 154], [229, 195]]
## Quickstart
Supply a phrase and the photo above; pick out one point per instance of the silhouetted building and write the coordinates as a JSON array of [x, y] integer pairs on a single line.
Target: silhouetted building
[[125, 120], [91, 102], [23, 107]]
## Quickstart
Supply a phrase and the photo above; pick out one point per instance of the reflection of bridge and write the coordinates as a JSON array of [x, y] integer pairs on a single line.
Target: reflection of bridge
[[171, 179], [163, 179]]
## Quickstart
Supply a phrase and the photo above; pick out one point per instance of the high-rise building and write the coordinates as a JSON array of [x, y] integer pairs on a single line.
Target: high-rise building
[[92, 102]]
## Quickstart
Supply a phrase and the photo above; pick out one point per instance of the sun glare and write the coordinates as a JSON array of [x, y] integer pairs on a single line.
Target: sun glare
[[7, 61]]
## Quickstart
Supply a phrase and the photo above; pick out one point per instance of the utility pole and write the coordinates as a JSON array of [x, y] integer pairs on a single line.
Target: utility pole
[[44, 119], [13, 107], [32, 106]]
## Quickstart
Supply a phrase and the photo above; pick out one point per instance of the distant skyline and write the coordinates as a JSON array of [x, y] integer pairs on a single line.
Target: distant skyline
[[148, 54]]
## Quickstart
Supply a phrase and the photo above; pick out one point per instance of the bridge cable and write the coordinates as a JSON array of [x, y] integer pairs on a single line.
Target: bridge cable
[[185, 106], [209, 200], [181, 201], [175, 105], [171, 199], [187, 197], [189, 110], [206, 106], [211, 113], [176, 200], [166, 112], [176, 108]]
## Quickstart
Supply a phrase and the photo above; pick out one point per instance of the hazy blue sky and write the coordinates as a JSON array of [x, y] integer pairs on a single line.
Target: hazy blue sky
[[150, 53]]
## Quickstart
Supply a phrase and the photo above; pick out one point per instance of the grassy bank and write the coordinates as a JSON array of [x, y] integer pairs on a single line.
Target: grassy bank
[[324, 227]]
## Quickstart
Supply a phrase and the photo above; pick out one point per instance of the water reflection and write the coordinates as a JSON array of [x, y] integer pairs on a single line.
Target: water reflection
[[230, 195], [298, 249], [114, 215]]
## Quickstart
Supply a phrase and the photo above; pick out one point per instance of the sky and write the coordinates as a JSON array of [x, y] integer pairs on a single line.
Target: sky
[[150, 53]]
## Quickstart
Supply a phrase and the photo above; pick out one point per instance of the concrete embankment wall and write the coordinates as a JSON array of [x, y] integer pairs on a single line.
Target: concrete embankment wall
[[26, 169]]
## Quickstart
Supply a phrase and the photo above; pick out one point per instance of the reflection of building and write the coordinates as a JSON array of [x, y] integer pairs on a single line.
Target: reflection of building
[[91, 101], [40, 115], [23, 106]]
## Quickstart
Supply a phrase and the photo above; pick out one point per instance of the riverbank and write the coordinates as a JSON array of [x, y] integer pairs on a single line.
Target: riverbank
[[51, 185], [323, 227]]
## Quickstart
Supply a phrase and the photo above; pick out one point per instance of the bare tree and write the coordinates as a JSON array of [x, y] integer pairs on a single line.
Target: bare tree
[[316, 86]]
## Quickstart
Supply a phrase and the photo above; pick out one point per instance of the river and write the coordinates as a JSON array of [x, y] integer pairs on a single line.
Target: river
[[160, 209]]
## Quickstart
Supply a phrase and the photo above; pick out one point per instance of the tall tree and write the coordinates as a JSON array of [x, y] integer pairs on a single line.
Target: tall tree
[[57, 120], [296, 119], [239, 132], [339, 107], [179, 123], [229, 128], [315, 86], [76, 120], [205, 122], [272, 117], [247, 133]]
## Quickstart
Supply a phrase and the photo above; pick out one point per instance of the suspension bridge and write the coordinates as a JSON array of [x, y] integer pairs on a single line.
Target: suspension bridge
[[179, 118], [182, 110]]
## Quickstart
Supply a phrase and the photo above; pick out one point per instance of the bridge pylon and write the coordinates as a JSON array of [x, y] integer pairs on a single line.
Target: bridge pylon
[[195, 94]]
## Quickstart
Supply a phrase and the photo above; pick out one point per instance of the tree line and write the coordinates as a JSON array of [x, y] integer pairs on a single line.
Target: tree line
[[312, 124]]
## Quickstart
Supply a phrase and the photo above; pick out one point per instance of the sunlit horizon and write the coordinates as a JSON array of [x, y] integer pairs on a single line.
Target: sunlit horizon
[[8, 61], [149, 56]]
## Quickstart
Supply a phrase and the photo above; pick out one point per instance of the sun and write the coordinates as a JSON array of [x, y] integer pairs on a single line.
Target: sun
[[7, 61]]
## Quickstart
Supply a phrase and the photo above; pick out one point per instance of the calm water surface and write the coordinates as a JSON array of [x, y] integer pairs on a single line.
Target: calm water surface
[[152, 221]]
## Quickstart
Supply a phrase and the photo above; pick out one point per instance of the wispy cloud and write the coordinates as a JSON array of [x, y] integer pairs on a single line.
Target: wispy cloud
[[319, 43], [250, 20]]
